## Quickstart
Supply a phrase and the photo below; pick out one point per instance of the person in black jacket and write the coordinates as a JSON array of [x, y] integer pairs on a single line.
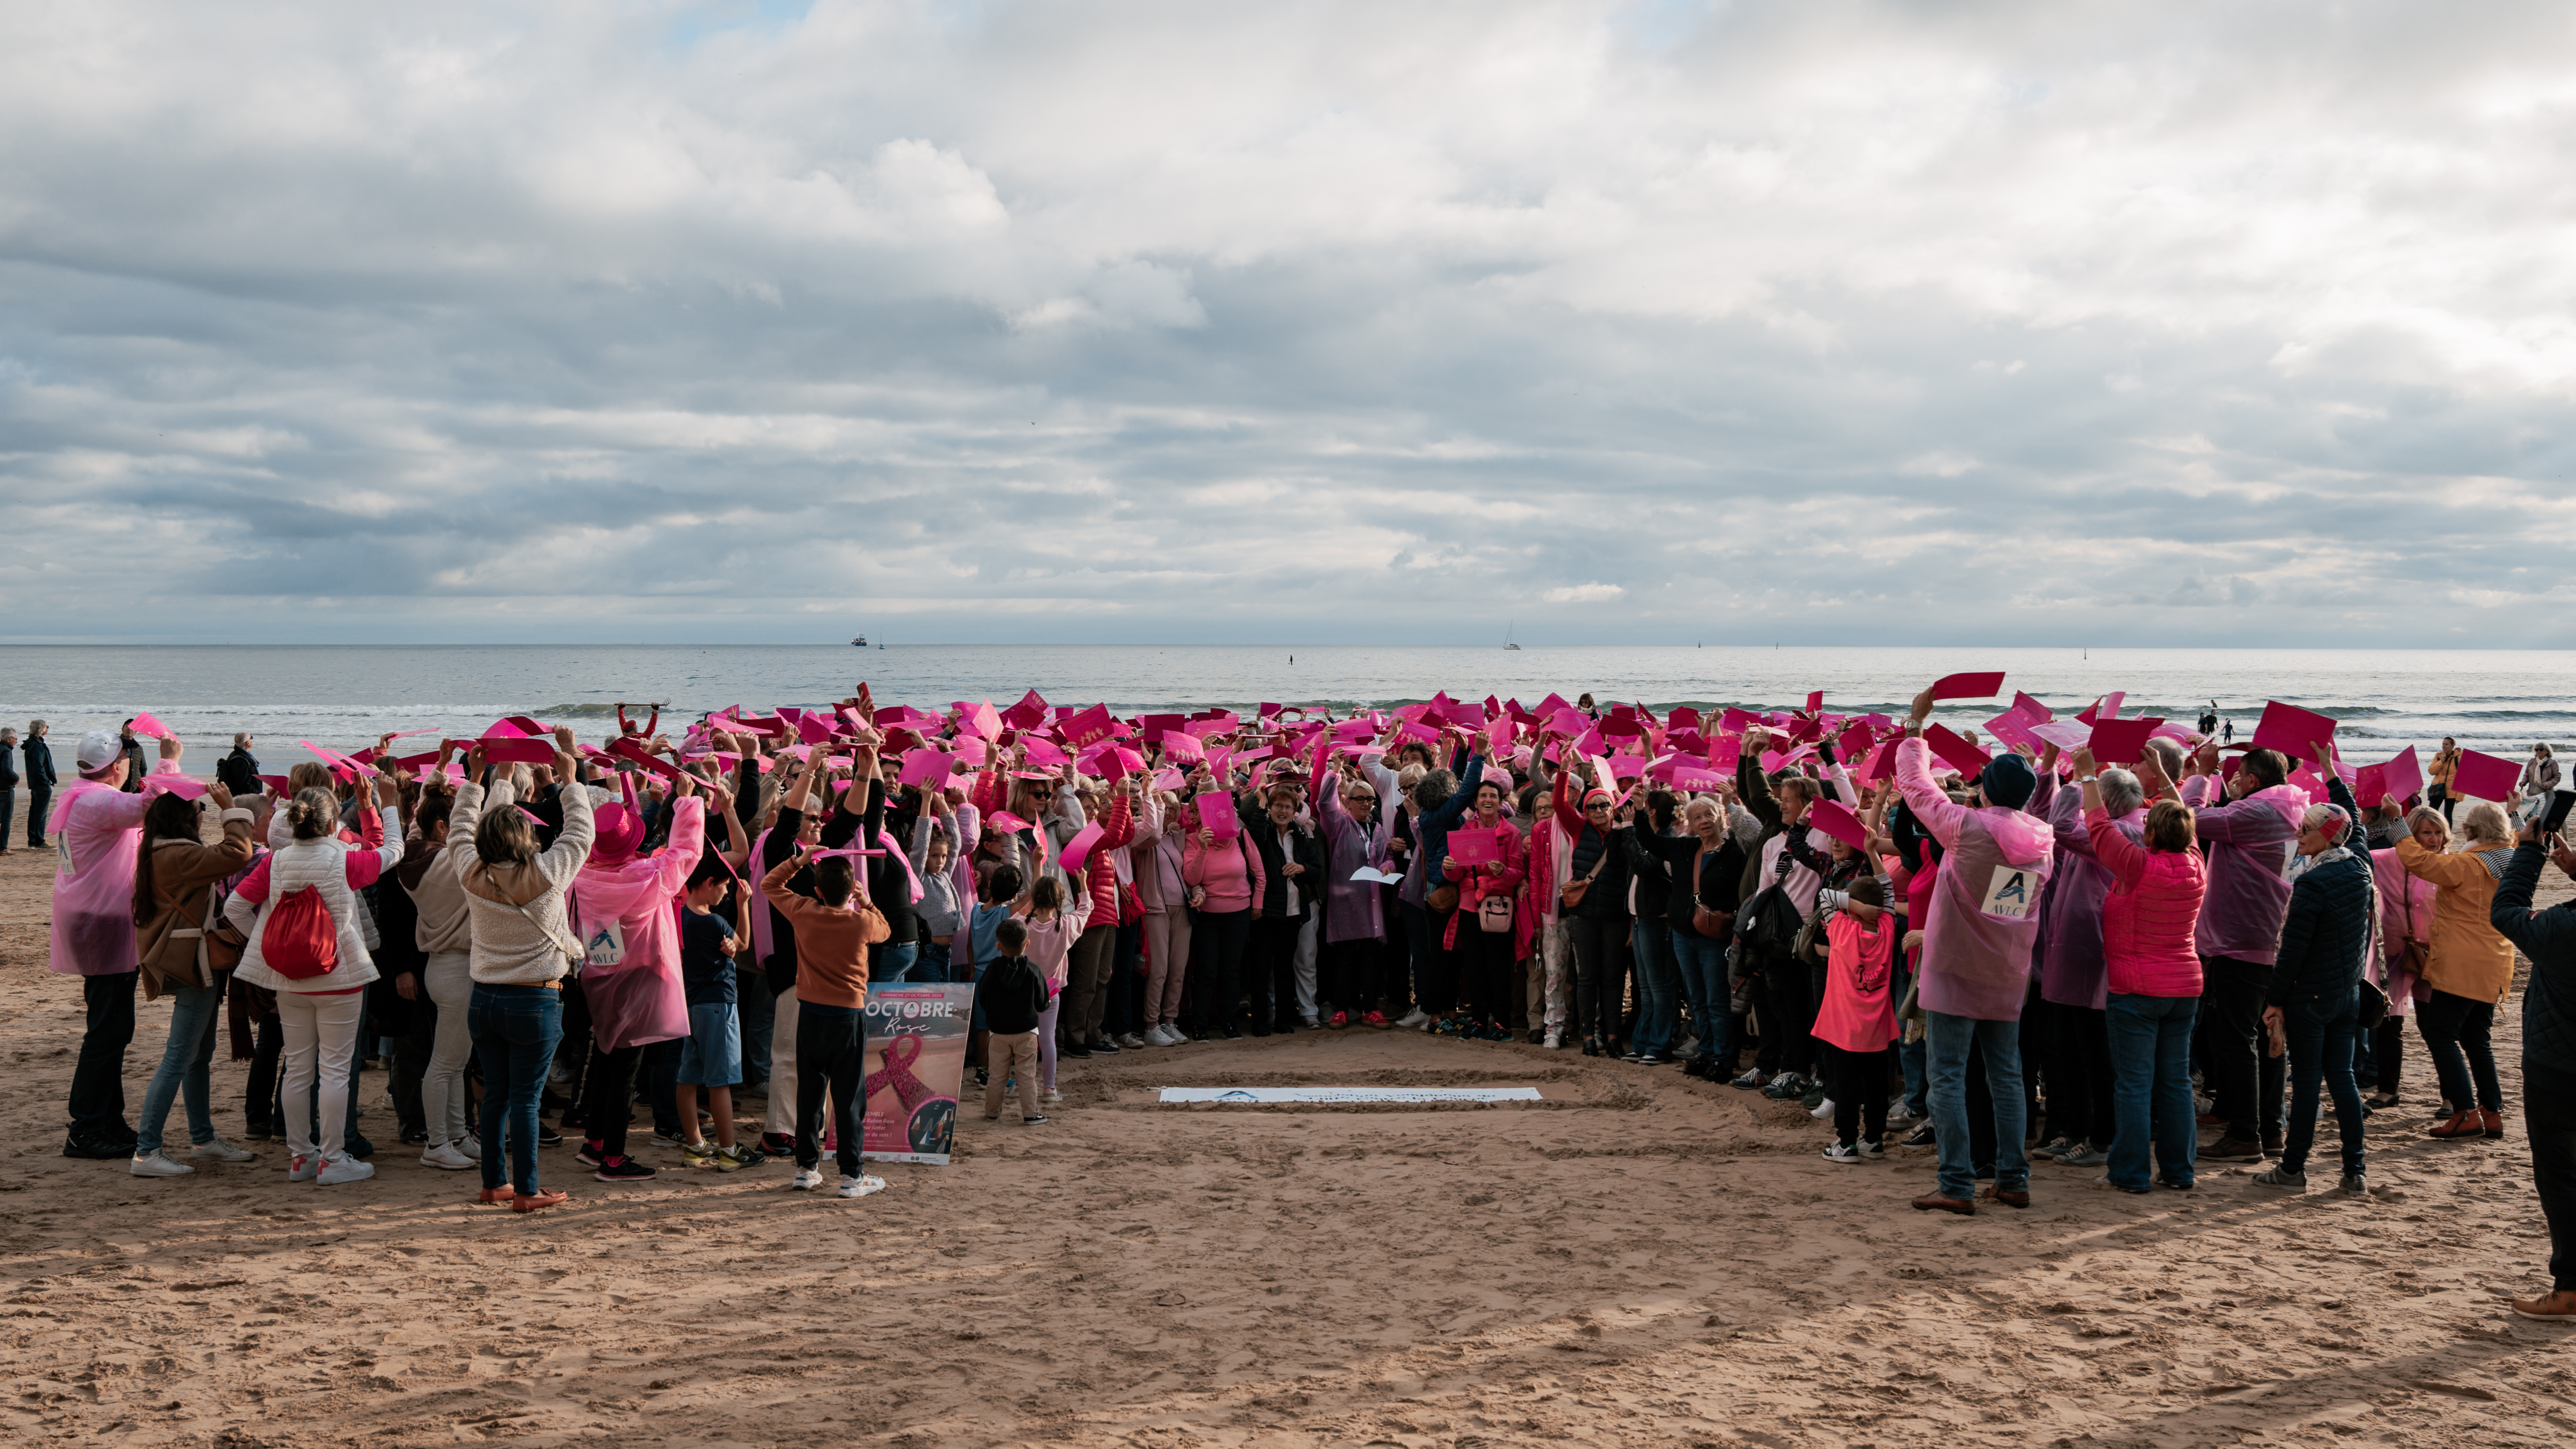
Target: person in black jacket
[[2314, 994], [1011, 996], [40, 782], [1650, 935], [2548, 1057], [8, 783], [1707, 848], [239, 771], [134, 766], [1595, 925], [1292, 869]]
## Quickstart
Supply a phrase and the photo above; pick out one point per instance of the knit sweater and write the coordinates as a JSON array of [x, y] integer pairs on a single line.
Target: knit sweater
[[831, 941], [521, 935]]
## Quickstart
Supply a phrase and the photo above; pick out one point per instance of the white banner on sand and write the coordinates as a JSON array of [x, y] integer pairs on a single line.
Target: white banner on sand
[[1330, 1095]]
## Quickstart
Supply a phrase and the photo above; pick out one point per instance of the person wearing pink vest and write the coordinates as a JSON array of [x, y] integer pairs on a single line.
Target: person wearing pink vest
[[2151, 962], [1977, 942]]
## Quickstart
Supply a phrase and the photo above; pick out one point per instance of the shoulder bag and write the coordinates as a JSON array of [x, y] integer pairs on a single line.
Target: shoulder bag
[[1706, 920], [1571, 894]]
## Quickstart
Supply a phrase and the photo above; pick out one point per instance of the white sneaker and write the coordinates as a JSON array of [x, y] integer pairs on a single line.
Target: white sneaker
[[158, 1164], [1413, 1018], [862, 1185], [469, 1146], [1155, 1035], [1553, 1041], [217, 1149], [806, 1179], [1131, 1042], [1836, 1152], [344, 1169], [301, 1169], [446, 1158], [1050, 1095], [1824, 1110]]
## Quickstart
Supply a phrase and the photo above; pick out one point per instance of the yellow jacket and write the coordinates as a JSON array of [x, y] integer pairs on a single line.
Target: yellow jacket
[[2467, 958]]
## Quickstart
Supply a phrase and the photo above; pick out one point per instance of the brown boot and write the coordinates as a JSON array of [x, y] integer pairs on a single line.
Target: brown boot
[[2466, 1124], [1933, 1201], [2492, 1123], [2232, 1148], [2557, 1307], [2008, 1196]]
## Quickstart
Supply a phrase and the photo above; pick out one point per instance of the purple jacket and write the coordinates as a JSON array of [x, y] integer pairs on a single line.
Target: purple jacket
[[1985, 907], [1352, 908], [2070, 964], [2249, 891]]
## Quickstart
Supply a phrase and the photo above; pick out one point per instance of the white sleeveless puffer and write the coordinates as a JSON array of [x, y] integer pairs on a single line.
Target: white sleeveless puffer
[[324, 865]]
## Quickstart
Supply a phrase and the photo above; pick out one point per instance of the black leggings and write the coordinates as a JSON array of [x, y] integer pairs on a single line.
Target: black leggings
[[1595, 940], [1217, 940], [1789, 1015], [608, 1097], [1857, 1081], [1485, 969], [1273, 974]]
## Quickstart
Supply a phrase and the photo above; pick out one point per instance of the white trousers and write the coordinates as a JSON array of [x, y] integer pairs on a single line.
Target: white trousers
[[321, 1037]]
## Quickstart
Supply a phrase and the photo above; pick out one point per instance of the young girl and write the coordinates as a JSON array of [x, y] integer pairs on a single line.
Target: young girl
[[1053, 926], [1856, 1021]]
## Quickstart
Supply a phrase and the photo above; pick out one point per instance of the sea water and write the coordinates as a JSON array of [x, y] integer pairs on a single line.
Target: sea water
[[2499, 701]]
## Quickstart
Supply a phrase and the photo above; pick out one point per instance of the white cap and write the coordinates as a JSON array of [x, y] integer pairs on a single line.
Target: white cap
[[99, 749]]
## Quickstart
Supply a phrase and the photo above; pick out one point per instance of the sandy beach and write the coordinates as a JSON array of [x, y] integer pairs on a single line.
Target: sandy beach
[[1640, 1259]]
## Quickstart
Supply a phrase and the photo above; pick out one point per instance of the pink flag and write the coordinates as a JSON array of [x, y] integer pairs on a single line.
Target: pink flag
[[1966, 758], [145, 724], [2121, 741]]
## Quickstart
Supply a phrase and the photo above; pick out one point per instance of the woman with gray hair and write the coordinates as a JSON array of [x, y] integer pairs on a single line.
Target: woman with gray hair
[[2468, 967], [8, 784]]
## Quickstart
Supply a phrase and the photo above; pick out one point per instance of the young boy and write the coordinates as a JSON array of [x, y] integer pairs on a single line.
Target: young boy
[[712, 1056], [1010, 996], [832, 939]]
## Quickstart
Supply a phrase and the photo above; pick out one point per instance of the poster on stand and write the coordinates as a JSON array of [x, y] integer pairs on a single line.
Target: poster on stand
[[916, 1057]]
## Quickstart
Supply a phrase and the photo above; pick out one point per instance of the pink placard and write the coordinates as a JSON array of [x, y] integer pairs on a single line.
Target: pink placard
[[145, 724], [1178, 746], [1736, 721], [2121, 741], [2292, 730], [2066, 734], [1089, 727], [1833, 818], [507, 751], [926, 768], [1473, 845], [1693, 777], [1968, 686], [2404, 775], [1216, 814], [2484, 777], [2370, 786], [1966, 758], [1078, 849]]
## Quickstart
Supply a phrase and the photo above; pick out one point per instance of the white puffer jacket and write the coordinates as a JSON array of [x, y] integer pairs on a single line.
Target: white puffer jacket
[[325, 865]]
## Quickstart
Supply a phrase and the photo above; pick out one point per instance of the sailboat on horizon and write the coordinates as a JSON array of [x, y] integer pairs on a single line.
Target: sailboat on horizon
[[1507, 637]]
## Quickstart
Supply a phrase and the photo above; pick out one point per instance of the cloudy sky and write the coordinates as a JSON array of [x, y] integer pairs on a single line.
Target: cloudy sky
[[1656, 322]]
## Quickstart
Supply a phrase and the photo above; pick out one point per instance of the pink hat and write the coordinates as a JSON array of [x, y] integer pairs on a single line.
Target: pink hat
[[620, 830]]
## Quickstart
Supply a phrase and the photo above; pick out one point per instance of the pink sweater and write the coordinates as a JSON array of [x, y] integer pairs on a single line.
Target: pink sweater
[[2150, 915], [1230, 869]]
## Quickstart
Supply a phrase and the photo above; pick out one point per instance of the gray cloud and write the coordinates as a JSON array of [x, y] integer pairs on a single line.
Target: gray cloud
[[1827, 322]]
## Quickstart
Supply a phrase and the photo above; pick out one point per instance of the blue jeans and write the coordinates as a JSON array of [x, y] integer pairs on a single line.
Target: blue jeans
[[194, 1014], [516, 1030], [1909, 1054], [1659, 986], [1702, 961], [2151, 1089], [891, 963], [2321, 1033], [1947, 1038]]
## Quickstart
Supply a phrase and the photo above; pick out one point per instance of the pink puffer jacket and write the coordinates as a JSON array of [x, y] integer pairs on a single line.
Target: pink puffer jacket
[[2150, 915]]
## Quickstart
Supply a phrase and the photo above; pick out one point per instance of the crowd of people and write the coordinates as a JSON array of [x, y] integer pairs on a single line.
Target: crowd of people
[[2040, 949]]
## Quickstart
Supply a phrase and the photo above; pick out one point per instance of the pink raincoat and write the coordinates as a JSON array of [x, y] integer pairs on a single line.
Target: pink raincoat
[[1984, 917]]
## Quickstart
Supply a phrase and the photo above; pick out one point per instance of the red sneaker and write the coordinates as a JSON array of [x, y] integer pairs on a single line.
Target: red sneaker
[[1343, 1018], [1376, 1019]]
